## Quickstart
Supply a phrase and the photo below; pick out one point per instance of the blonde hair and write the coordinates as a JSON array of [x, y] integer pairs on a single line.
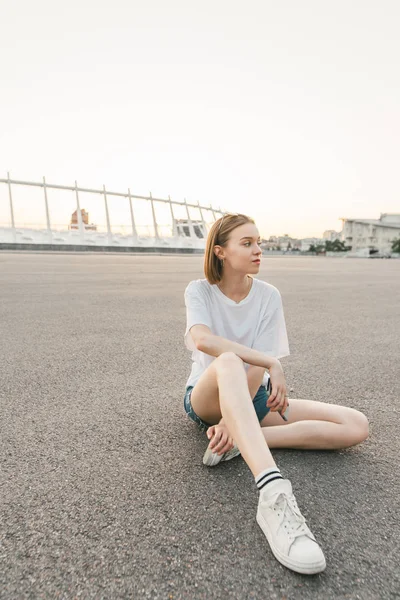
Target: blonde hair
[[219, 236]]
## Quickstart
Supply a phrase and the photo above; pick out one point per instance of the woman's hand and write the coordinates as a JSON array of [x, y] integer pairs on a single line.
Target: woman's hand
[[221, 441], [278, 399]]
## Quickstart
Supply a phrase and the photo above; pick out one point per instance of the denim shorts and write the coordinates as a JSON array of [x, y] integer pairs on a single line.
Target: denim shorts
[[259, 403]]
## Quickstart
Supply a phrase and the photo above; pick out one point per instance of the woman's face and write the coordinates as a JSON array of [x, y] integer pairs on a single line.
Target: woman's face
[[242, 249]]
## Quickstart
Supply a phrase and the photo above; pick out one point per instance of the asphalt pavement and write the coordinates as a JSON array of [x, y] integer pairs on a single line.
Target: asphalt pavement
[[103, 493]]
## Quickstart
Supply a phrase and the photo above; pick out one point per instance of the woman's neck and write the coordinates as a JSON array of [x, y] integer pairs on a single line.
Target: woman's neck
[[235, 286]]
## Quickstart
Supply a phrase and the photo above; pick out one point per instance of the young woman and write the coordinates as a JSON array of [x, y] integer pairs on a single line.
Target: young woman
[[237, 391]]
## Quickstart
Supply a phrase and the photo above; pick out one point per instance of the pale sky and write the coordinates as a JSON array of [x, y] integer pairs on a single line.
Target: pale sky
[[287, 111]]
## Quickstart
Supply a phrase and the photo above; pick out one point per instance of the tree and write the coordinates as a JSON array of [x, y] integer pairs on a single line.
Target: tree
[[329, 247], [336, 246], [396, 246]]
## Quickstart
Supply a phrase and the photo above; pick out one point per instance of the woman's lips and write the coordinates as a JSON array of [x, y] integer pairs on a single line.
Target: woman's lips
[[257, 261]]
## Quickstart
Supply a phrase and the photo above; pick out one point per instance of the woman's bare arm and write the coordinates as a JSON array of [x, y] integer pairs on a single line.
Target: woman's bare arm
[[214, 345]]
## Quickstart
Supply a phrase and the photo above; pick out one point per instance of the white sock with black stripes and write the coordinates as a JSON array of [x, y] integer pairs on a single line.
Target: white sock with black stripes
[[267, 476]]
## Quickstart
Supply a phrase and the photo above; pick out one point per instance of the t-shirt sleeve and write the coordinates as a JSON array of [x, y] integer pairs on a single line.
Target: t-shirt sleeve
[[197, 312], [271, 336]]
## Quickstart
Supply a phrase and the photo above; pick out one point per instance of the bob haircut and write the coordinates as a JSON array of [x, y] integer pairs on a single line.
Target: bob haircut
[[219, 236]]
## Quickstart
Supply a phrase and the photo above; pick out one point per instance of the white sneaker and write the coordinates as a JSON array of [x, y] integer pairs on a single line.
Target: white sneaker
[[211, 458], [291, 541]]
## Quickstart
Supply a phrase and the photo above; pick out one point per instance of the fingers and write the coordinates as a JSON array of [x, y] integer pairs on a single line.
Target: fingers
[[282, 407], [282, 411], [275, 396], [215, 437], [224, 446], [279, 400], [210, 431], [221, 442], [285, 405], [272, 396]]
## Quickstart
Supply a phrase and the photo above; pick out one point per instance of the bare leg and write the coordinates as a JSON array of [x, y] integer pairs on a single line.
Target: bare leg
[[315, 425], [223, 391]]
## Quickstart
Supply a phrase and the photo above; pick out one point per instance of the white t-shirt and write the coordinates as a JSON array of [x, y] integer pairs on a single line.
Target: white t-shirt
[[257, 321]]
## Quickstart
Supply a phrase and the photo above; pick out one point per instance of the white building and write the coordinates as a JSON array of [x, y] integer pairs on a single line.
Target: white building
[[372, 235], [331, 235], [307, 242], [282, 243]]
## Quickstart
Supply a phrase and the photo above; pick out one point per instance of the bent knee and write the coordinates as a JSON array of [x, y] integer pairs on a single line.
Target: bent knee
[[229, 358], [362, 426], [359, 427]]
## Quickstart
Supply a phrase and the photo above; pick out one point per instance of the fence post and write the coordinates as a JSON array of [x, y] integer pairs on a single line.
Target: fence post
[[107, 216], [134, 232], [191, 228], [79, 215], [47, 211], [213, 212], [154, 218], [205, 232], [174, 227], [14, 233]]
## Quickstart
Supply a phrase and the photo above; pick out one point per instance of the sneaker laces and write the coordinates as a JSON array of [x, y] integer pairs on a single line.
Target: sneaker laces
[[290, 516]]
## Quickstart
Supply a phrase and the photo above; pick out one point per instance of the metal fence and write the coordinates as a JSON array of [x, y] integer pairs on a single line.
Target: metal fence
[[121, 218]]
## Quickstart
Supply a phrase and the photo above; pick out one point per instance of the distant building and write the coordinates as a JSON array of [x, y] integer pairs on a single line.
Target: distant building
[[375, 235], [312, 241], [269, 244], [331, 235], [282, 242], [85, 221], [285, 242]]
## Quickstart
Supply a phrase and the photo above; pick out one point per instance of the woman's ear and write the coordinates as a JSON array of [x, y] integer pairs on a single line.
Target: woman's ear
[[219, 252]]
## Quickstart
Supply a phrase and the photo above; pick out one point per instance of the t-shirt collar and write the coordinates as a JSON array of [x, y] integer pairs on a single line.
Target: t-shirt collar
[[232, 302]]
